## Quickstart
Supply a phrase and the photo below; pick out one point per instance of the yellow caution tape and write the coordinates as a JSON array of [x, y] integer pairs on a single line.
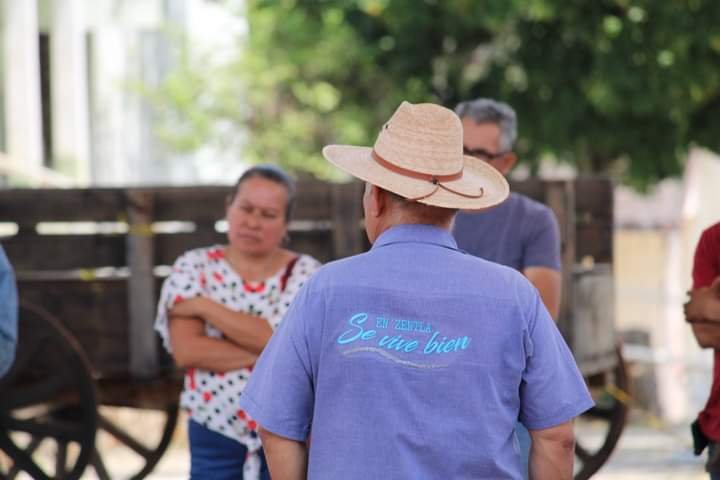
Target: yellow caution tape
[[619, 394], [87, 274], [141, 229]]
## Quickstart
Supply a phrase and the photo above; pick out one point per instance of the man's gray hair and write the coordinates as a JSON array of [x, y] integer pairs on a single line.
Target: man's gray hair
[[483, 110], [416, 212]]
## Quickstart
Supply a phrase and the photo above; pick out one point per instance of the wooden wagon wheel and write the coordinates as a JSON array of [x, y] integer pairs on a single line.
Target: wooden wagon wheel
[[142, 445], [610, 411], [48, 406]]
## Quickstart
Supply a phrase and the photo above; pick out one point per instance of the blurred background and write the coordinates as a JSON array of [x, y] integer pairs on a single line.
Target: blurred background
[[101, 93]]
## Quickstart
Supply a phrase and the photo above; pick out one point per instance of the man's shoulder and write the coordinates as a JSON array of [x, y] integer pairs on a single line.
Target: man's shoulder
[[518, 208], [712, 233], [530, 206], [709, 241], [360, 265], [489, 272], [336, 269], [200, 257]]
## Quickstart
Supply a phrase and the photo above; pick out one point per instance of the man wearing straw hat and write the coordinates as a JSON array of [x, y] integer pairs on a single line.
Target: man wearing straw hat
[[415, 360]]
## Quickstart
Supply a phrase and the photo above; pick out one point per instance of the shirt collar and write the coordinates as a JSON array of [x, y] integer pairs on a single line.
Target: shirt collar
[[416, 233]]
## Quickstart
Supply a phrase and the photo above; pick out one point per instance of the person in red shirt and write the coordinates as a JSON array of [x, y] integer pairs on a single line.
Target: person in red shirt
[[702, 311]]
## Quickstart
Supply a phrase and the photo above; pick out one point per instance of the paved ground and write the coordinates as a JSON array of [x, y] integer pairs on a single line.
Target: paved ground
[[643, 453], [650, 454]]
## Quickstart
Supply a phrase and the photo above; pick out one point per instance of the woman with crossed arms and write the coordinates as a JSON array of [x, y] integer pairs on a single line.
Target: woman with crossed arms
[[218, 308]]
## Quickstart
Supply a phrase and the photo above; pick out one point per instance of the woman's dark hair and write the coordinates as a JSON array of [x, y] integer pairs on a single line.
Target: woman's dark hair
[[274, 174]]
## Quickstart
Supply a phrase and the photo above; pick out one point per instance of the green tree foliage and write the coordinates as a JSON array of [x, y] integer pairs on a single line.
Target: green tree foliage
[[613, 86]]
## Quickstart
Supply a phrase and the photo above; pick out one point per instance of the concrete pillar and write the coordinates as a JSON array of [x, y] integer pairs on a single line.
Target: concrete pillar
[[110, 140], [22, 83], [69, 89]]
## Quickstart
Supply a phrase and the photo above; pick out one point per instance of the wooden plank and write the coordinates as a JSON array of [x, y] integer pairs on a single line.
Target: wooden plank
[[560, 198], [168, 247], [62, 252], [346, 216], [157, 394], [204, 205], [27, 206], [595, 197], [201, 204], [318, 244], [207, 203], [594, 243], [531, 187], [594, 225], [141, 296], [34, 253], [313, 200], [94, 311]]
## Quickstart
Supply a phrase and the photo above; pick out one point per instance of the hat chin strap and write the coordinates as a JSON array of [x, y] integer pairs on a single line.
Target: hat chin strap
[[438, 186], [434, 179]]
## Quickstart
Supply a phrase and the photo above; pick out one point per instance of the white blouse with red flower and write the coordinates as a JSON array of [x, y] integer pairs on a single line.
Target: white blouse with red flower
[[210, 398]]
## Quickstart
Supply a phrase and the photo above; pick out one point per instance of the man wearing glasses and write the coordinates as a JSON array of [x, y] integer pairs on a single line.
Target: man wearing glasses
[[519, 233]]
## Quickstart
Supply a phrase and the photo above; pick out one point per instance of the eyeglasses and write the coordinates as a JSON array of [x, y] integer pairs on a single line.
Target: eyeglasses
[[482, 154]]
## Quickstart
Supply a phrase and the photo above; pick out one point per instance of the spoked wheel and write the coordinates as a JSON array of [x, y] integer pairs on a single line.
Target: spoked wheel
[[131, 441], [48, 403], [599, 429]]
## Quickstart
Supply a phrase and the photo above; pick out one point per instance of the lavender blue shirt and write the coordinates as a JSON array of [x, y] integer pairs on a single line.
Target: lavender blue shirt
[[519, 233], [8, 314], [414, 361]]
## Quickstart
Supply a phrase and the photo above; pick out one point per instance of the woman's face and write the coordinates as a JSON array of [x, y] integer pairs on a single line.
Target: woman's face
[[256, 216]]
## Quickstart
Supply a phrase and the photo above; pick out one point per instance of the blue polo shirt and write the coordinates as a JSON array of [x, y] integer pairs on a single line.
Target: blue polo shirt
[[414, 361]]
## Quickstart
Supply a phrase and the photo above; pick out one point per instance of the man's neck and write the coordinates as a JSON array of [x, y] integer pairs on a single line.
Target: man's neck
[[384, 226]]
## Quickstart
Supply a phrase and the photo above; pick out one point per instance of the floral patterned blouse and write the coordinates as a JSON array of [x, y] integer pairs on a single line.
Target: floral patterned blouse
[[210, 398]]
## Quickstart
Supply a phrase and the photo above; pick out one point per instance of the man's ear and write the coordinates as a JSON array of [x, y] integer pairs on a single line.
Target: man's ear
[[378, 200], [506, 163]]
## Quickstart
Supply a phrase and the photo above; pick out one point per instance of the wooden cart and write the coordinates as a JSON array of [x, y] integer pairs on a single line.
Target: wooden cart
[[89, 264]]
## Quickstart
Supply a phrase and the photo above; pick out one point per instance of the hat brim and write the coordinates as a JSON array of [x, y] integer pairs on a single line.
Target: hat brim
[[359, 162]]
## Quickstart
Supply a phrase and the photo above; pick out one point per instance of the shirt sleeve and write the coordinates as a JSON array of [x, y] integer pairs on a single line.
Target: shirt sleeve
[[8, 314], [706, 263], [552, 390], [543, 241], [280, 394], [183, 282]]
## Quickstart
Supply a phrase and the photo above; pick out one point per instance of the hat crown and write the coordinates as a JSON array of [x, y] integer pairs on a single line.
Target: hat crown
[[423, 138]]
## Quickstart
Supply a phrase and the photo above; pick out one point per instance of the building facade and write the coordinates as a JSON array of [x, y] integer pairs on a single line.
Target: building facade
[[70, 74]]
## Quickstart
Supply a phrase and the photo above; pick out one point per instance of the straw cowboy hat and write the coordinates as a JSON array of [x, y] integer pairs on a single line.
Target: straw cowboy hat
[[419, 156]]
